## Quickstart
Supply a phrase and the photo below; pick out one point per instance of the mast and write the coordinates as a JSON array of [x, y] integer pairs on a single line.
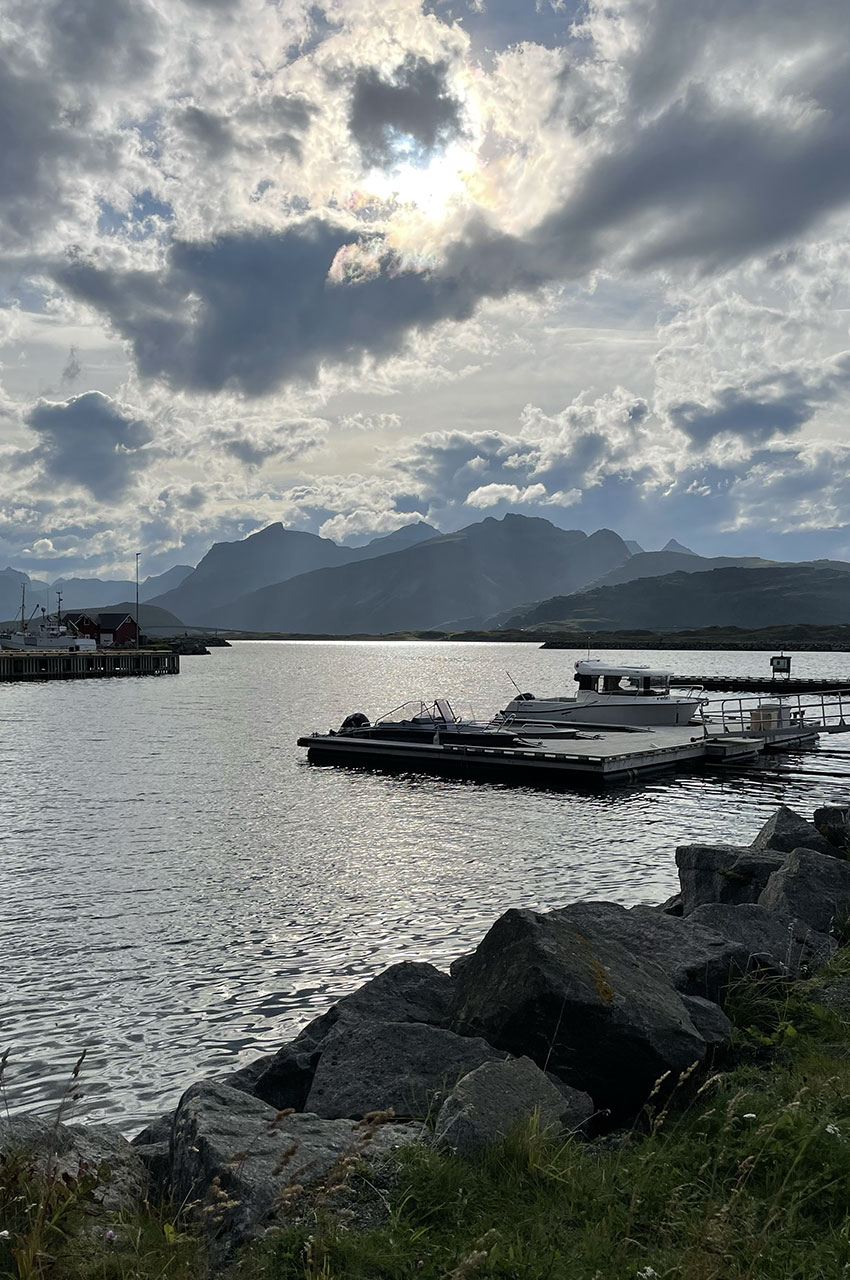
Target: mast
[[23, 607]]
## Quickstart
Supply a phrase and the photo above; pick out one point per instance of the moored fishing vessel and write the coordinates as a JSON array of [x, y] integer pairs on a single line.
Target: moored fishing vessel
[[49, 634]]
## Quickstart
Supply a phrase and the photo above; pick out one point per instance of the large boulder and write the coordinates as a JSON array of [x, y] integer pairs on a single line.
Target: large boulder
[[579, 1004], [723, 873], [153, 1147], [833, 823], [782, 945], [406, 1066], [96, 1151], [696, 960], [708, 1018], [787, 831], [406, 992], [813, 888], [497, 1097], [245, 1078], [234, 1157]]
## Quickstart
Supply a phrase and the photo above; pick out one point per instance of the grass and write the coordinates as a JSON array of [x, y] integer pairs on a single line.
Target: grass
[[742, 1174]]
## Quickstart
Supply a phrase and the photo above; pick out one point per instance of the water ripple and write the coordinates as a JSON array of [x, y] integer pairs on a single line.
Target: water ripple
[[182, 892]]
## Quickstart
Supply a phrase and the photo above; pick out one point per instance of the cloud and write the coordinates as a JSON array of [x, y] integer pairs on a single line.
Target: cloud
[[103, 39], [492, 495], [251, 310], [90, 441], [406, 117], [285, 443], [423, 244]]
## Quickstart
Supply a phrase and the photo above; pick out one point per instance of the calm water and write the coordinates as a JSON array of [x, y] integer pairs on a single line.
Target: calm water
[[181, 891]]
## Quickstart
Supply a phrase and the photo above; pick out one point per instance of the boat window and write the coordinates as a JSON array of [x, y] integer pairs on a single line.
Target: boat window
[[587, 682]]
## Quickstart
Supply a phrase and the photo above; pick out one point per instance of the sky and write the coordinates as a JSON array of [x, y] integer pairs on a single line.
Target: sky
[[349, 265]]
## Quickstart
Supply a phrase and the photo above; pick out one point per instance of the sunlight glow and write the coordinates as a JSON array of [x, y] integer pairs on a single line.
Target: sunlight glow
[[430, 187]]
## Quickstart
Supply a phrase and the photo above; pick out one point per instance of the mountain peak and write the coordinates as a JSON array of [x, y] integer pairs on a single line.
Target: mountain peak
[[673, 545]]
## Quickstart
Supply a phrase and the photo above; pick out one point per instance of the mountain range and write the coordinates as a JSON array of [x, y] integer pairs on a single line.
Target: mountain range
[[518, 572], [457, 579], [231, 570], [79, 593], [773, 595]]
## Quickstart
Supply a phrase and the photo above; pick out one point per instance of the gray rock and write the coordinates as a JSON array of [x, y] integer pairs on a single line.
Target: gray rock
[[406, 992], [812, 887], [81, 1149], [456, 965], [246, 1077], [234, 1157], [156, 1157], [697, 960], [787, 831], [833, 823], [159, 1130], [785, 946], [406, 1066], [674, 906], [708, 1018], [496, 1097], [723, 873], [579, 1004]]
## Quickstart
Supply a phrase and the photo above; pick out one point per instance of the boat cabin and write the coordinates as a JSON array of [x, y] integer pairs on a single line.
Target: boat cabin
[[601, 677]]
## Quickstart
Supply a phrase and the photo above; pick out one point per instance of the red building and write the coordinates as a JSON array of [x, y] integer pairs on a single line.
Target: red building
[[107, 629]]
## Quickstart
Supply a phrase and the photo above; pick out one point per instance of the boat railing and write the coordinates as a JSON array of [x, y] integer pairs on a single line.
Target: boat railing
[[828, 711]]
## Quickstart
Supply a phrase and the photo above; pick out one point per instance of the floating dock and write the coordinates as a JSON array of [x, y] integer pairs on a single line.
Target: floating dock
[[45, 664], [732, 732], [756, 684]]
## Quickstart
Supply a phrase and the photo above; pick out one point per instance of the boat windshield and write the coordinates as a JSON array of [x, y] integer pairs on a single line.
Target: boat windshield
[[652, 684]]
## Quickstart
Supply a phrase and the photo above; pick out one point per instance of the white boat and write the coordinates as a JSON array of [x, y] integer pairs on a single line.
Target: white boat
[[608, 694], [48, 634]]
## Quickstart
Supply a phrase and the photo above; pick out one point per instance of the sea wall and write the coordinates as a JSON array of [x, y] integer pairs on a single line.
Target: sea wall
[[574, 1014]]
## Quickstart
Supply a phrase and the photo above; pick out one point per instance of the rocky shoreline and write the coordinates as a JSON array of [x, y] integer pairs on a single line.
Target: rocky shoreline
[[574, 1015]]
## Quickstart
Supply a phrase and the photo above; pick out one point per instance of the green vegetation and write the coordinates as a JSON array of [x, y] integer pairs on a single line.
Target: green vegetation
[[740, 1173]]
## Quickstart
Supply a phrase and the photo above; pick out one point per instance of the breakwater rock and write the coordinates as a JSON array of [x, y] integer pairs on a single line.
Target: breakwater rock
[[573, 1014]]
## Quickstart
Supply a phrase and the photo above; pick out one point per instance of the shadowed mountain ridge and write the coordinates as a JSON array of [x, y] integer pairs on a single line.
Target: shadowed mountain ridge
[[470, 573]]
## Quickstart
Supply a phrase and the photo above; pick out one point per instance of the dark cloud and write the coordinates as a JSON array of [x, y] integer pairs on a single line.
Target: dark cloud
[[285, 443], [734, 412], [90, 441], [776, 404], [279, 121], [406, 118], [250, 310], [213, 133], [676, 39], [35, 138], [102, 40]]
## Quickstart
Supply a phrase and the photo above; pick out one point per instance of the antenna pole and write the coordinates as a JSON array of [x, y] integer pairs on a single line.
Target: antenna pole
[[138, 553], [513, 682]]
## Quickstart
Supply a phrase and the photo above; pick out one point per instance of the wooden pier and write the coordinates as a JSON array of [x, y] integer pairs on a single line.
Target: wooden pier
[[44, 664]]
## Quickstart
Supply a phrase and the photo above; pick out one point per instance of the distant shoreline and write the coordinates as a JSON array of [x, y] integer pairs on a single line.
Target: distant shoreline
[[794, 638]]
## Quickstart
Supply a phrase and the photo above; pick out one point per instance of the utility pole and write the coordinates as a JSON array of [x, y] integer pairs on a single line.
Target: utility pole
[[138, 553]]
